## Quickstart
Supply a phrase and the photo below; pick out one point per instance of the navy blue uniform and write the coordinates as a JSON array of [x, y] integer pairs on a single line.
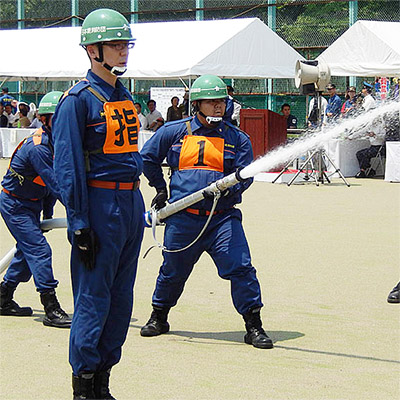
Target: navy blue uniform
[[30, 187], [197, 159], [95, 147]]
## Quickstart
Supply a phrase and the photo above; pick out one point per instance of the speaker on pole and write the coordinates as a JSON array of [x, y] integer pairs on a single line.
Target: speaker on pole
[[311, 76]]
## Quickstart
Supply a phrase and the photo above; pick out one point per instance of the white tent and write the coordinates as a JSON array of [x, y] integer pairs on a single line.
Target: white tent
[[367, 48], [234, 48]]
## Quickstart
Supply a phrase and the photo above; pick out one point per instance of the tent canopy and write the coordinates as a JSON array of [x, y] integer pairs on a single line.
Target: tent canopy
[[367, 48], [232, 48]]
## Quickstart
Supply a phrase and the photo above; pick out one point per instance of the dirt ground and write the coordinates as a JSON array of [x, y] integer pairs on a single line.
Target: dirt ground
[[326, 258]]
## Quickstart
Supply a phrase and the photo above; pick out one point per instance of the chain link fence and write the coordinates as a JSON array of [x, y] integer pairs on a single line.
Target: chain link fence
[[307, 25]]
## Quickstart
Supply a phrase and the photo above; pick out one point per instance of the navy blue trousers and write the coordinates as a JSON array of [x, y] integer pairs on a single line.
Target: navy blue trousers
[[33, 255], [364, 156], [103, 297], [224, 240]]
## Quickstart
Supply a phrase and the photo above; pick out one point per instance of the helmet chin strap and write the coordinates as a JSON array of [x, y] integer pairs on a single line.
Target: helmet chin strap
[[211, 120], [117, 71]]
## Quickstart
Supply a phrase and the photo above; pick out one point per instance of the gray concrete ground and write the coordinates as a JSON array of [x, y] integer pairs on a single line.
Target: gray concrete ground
[[326, 258]]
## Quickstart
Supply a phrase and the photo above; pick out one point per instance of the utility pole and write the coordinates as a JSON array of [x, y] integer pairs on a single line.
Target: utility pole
[[353, 16], [134, 11], [270, 101], [199, 13], [75, 12], [21, 14]]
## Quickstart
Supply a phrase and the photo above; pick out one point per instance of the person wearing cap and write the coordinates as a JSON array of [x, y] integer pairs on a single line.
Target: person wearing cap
[[349, 105], [21, 117], [97, 165], [334, 103], [5, 98], [233, 107], [368, 102], [185, 105], [29, 189], [200, 150]]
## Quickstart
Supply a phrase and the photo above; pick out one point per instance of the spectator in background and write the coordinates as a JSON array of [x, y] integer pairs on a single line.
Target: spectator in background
[[291, 120], [21, 116], [9, 114], [349, 105], [32, 111], [23, 121], [174, 113], [233, 107], [142, 118], [3, 117], [154, 117], [334, 103], [36, 123], [5, 98], [14, 105], [313, 119], [395, 88], [185, 105], [377, 139], [368, 100]]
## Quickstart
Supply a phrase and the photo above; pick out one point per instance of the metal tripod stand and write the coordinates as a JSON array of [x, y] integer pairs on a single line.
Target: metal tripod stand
[[318, 173]]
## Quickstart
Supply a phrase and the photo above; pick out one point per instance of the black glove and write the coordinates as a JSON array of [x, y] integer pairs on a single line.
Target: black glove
[[208, 194], [46, 230], [160, 199], [87, 243]]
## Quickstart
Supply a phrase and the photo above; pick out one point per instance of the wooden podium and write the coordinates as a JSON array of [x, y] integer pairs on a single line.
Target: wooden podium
[[266, 129]]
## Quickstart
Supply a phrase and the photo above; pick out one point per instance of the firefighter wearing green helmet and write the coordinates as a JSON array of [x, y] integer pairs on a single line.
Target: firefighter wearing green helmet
[[106, 27], [98, 165], [200, 150], [29, 189]]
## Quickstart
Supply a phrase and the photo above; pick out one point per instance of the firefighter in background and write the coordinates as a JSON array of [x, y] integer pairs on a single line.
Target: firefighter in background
[[199, 151], [97, 165], [29, 188]]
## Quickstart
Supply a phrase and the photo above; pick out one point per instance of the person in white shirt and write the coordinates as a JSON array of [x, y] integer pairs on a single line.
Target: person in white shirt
[[142, 118], [377, 141], [9, 114], [312, 112], [233, 107], [154, 117], [368, 101]]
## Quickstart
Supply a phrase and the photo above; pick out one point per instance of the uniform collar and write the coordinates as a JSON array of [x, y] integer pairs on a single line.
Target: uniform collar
[[196, 124], [101, 85]]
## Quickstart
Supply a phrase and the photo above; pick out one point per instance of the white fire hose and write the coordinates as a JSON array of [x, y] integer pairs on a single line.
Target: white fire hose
[[46, 224], [154, 217]]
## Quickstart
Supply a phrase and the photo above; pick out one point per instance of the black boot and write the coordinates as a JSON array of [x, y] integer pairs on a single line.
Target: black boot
[[83, 385], [8, 306], [101, 383], [55, 315], [255, 333], [157, 324], [394, 295]]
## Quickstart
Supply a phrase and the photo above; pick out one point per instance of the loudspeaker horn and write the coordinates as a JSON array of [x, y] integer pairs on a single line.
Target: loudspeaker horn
[[316, 72]]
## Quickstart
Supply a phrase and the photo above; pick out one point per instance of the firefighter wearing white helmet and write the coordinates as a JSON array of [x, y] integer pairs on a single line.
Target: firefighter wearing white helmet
[[29, 189], [200, 150], [97, 165]]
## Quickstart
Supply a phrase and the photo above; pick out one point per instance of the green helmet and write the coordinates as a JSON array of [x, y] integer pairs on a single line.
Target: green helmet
[[104, 25], [49, 102], [208, 87]]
